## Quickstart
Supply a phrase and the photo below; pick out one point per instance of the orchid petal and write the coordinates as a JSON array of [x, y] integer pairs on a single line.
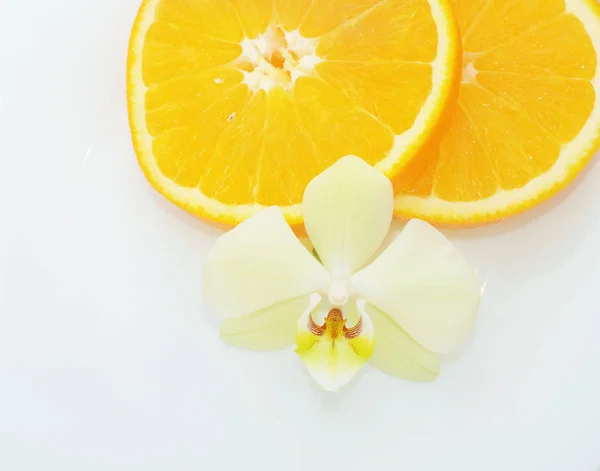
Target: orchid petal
[[397, 354], [347, 213], [333, 353], [272, 328], [423, 283], [259, 264]]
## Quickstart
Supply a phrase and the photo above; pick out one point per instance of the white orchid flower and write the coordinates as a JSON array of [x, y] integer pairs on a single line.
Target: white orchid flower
[[417, 299]]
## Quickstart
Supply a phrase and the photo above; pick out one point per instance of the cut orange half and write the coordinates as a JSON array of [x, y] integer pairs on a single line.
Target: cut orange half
[[235, 105], [528, 114]]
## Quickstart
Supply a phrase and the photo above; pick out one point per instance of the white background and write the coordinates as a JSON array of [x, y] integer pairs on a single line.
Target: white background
[[110, 361]]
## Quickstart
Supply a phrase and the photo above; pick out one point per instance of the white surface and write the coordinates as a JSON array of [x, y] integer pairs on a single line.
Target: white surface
[[109, 361]]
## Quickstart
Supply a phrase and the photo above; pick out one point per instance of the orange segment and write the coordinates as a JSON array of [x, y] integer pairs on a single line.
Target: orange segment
[[254, 15], [238, 148], [182, 99], [325, 15], [467, 173], [222, 24], [290, 13], [527, 118], [375, 36], [546, 49], [375, 87], [285, 138], [337, 126], [487, 24], [516, 150], [235, 105], [174, 51], [560, 106], [184, 153]]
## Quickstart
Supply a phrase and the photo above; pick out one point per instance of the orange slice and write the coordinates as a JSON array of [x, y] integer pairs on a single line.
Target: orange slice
[[528, 114], [236, 105]]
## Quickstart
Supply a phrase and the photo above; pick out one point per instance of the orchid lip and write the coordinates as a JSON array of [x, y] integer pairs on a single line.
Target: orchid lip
[[332, 351]]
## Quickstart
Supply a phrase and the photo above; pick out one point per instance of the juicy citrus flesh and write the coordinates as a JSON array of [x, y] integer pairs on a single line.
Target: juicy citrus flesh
[[527, 118], [236, 105]]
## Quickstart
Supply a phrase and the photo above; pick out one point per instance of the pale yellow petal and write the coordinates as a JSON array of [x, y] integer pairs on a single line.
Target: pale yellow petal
[[347, 213], [333, 354], [272, 328], [424, 284], [397, 354], [259, 264]]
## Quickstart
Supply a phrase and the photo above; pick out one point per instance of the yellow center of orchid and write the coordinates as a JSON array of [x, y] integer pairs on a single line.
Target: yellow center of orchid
[[334, 327]]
